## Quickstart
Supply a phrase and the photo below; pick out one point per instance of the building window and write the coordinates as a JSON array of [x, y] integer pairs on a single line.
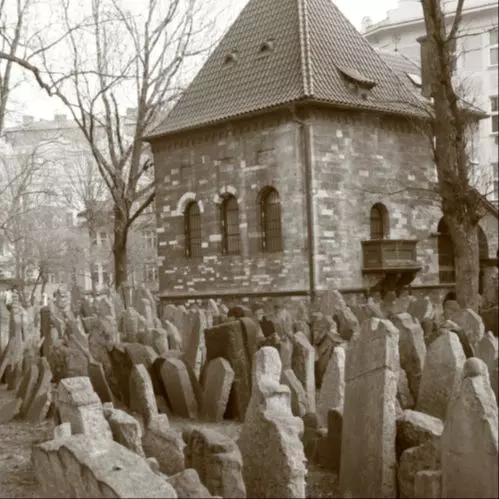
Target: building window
[[103, 238], [493, 46], [230, 226], [379, 221], [495, 185], [446, 269], [270, 210], [192, 226], [105, 275], [95, 274], [151, 272], [494, 111], [150, 239]]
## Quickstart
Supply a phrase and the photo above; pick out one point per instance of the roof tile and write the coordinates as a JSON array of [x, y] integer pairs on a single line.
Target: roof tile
[[312, 40]]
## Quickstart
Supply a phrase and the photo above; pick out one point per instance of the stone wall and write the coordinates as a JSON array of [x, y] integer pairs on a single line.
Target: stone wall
[[361, 159], [241, 161]]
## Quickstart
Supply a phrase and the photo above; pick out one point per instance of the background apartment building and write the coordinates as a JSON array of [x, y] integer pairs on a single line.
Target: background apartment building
[[66, 208], [476, 66]]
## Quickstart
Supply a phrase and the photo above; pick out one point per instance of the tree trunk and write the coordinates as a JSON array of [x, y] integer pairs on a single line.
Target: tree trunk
[[466, 261], [120, 248]]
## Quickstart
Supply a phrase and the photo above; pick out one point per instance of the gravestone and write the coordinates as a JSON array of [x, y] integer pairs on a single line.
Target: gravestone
[[229, 340], [179, 389], [217, 460], [302, 363], [441, 375], [332, 392], [79, 405], [272, 452], [142, 399], [470, 438], [487, 350], [412, 349], [368, 459], [299, 403], [218, 383]]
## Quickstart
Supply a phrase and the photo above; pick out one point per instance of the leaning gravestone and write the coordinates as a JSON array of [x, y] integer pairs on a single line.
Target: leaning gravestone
[[80, 406], [229, 340], [302, 362], [218, 383], [487, 350], [470, 438], [272, 452], [332, 392], [412, 349], [441, 375], [368, 460]]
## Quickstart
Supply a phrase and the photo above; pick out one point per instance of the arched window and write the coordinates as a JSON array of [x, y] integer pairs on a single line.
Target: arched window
[[192, 225], [446, 270], [379, 221], [270, 212], [230, 226]]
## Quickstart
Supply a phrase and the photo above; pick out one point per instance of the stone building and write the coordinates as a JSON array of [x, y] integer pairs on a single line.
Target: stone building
[[294, 163], [476, 67]]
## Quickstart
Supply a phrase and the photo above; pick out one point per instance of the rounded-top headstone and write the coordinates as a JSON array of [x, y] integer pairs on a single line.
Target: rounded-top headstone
[[474, 367], [267, 363]]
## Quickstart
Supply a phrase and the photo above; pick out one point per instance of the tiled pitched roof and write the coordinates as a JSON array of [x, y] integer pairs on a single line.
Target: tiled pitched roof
[[312, 45]]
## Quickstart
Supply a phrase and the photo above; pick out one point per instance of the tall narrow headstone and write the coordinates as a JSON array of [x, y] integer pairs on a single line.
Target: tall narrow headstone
[[332, 392], [441, 375], [302, 362], [368, 458], [270, 440], [470, 438]]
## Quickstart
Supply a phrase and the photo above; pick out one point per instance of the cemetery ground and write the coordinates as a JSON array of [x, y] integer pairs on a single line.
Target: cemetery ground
[[108, 399], [17, 478]]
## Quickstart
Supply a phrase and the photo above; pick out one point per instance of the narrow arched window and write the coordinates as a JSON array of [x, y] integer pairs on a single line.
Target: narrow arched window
[[230, 226], [192, 225], [446, 269], [270, 210], [379, 221]]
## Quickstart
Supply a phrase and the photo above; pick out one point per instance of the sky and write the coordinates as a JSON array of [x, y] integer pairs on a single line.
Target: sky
[[31, 100]]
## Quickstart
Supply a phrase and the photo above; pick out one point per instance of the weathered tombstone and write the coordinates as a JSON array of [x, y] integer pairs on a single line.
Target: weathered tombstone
[[194, 345], [302, 363], [332, 392], [471, 325], [229, 340], [79, 405], [276, 469], [126, 430], [9, 410], [368, 458], [329, 448], [217, 460], [487, 350], [441, 375], [142, 399], [470, 438], [422, 309], [218, 383], [179, 388], [174, 337], [27, 389], [99, 382], [332, 303], [412, 349], [299, 403]]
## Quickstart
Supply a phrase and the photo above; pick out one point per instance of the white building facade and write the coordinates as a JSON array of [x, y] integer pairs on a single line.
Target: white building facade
[[476, 68]]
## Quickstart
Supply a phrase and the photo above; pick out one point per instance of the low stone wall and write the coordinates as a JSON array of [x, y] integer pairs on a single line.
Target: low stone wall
[[70, 467]]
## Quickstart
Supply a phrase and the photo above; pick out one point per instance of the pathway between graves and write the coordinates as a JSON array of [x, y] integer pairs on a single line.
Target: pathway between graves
[[16, 439]]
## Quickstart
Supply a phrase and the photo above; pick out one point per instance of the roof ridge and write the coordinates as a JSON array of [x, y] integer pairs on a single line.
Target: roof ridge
[[305, 48]]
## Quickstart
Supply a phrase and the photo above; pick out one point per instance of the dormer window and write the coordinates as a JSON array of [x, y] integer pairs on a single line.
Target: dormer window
[[356, 77], [415, 79], [266, 48], [231, 58]]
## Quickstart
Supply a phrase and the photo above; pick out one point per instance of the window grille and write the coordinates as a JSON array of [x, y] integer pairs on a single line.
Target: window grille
[[192, 222], [230, 226], [271, 222]]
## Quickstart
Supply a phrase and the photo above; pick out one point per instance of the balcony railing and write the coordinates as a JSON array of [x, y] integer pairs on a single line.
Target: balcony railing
[[389, 255]]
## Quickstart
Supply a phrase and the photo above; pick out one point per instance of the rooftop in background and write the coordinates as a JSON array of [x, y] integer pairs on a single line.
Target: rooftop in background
[[410, 11], [279, 52]]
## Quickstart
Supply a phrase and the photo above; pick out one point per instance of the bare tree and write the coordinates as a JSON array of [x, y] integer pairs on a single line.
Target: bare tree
[[123, 57], [460, 201]]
